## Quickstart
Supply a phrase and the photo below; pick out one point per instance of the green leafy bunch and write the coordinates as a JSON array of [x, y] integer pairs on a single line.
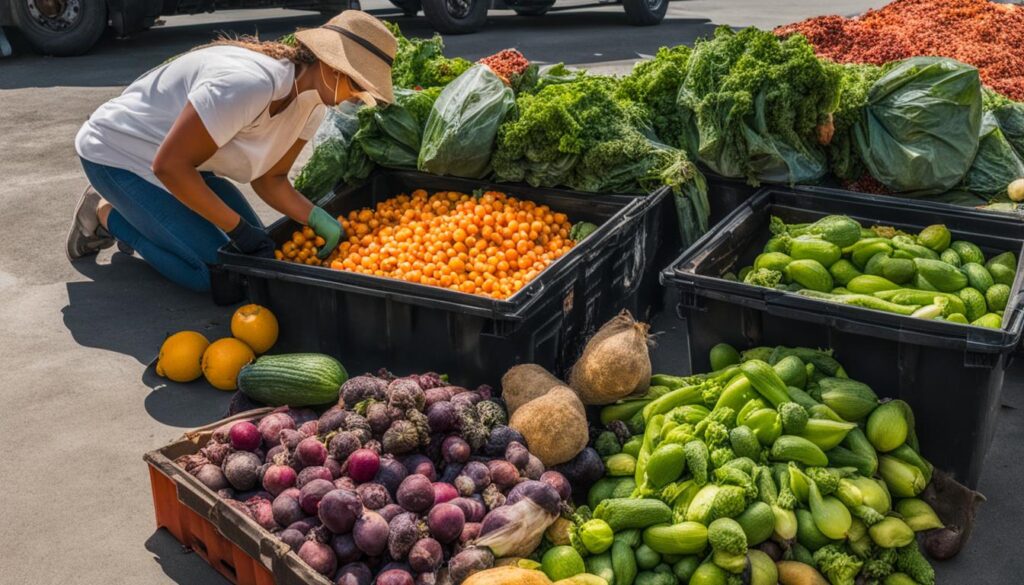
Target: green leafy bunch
[[421, 62], [654, 83]]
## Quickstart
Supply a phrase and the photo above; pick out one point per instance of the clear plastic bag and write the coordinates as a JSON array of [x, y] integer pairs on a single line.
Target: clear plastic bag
[[335, 159], [459, 136]]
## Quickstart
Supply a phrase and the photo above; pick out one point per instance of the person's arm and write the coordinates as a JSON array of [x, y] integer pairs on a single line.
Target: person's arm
[[275, 188], [176, 164]]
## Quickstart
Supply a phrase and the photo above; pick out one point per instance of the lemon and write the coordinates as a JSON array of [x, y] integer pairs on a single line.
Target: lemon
[[181, 355], [223, 360], [256, 326]]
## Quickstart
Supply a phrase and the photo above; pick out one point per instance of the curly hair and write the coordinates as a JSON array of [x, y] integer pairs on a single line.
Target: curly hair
[[285, 48]]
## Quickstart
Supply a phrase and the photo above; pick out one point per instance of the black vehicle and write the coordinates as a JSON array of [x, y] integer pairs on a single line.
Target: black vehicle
[[72, 27]]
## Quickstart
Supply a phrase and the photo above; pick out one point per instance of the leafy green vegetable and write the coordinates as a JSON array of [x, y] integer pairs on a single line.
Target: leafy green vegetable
[[391, 135], [336, 157], [855, 82], [655, 84], [755, 103], [421, 62]]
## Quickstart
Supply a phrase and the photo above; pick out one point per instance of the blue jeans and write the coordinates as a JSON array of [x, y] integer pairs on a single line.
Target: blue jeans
[[172, 238]]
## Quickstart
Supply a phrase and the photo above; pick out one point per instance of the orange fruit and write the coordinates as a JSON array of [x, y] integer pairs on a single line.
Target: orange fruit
[[181, 356], [223, 360], [256, 326]]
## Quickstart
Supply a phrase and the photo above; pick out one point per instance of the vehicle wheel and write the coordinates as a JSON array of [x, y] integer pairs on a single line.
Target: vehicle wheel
[[409, 7], [531, 10], [645, 12], [456, 17], [61, 27]]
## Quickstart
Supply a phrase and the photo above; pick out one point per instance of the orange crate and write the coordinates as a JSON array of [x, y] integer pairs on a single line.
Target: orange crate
[[236, 547]]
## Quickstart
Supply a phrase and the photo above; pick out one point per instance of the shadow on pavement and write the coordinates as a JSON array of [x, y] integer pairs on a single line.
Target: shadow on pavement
[[560, 36], [183, 405], [179, 563]]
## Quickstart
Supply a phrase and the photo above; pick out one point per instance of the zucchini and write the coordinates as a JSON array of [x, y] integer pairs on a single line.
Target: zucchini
[[898, 270], [297, 379], [623, 562], [666, 464], [868, 284], [799, 449], [843, 271], [684, 538], [811, 248], [623, 513]]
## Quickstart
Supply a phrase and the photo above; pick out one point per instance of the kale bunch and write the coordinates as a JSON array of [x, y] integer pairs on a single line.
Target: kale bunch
[[420, 63], [654, 83]]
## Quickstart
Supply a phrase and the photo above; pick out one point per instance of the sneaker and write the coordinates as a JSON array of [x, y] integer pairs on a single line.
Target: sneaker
[[87, 236]]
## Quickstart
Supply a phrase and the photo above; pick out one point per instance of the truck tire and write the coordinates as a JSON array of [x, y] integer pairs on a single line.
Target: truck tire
[[531, 10], [645, 12], [61, 27], [456, 17], [408, 7]]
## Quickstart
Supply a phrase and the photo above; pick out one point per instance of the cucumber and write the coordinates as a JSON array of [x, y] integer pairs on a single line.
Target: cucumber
[[297, 379], [968, 252], [949, 256], [977, 276], [843, 271], [810, 274], [940, 275], [868, 284], [811, 248], [772, 261], [974, 302]]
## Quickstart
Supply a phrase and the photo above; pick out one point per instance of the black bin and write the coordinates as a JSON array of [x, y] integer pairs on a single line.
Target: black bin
[[371, 322], [952, 375]]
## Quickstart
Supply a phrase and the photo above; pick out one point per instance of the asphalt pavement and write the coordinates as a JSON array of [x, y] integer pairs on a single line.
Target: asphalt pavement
[[80, 406]]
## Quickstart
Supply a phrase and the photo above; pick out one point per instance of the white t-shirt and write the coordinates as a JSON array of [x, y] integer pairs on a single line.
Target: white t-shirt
[[230, 88]]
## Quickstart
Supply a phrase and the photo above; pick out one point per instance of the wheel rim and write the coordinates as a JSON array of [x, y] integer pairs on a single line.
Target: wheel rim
[[55, 15], [458, 8], [654, 5]]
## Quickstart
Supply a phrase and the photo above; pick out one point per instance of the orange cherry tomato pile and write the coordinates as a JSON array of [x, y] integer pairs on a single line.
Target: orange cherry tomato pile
[[506, 63], [490, 245]]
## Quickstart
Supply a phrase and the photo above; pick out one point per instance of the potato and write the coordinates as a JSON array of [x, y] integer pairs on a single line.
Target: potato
[[525, 382], [615, 362], [554, 426]]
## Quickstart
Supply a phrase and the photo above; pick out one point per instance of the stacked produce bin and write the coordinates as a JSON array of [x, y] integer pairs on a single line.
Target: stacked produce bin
[[951, 374]]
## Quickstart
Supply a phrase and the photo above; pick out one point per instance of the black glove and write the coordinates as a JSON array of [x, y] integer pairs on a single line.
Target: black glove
[[251, 240]]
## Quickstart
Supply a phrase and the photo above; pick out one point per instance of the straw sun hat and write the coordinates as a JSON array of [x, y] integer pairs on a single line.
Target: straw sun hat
[[358, 45]]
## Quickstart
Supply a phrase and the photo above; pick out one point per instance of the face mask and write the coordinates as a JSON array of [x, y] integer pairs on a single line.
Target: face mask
[[361, 96]]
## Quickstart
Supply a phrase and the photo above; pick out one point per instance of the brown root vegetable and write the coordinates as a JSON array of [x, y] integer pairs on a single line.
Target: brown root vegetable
[[797, 573], [524, 383], [615, 363], [553, 425]]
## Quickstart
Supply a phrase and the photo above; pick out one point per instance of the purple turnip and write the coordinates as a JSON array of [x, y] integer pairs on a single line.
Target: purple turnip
[[331, 420], [319, 556], [467, 398], [371, 533], [444, 492], [308, 429], [473, 510], [339, 510], [291, 438], [539, 492], [354, 574], [360, 388], [441, 417], [455, 449], [212, 477], [222, 434], [390, 474], [241, 469], [345, 549], [415, 493], [470, 532], [373, 445], [451, 471], [293, 538], [503, 474], [430, 578], [583, 470], [390, 511], [308, 474], [469, 561], [362, 465], [474, 478], [311, 494], [262, 512], [534, 468], [420, 464], [499, 439], [334, 466], [226, 494], [403, 532], [278, 478], [311, 452], [373, 495], [445, 522], [394, 577], [426, 555], [215, 453], [517, 454], [286, 508], [343, 444], [279, 454], [302, 416], [306, 524], [434, 395], [378, 418], [271, 426], [345, 483], [559, 482]]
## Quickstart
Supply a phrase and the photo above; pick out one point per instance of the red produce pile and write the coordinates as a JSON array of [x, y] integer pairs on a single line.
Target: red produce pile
[[507, 63], [987, 35]]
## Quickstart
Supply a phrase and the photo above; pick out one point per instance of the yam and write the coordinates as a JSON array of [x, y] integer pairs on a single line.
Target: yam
[[508, 575], [554, 426], [615, 362], [524, 383]]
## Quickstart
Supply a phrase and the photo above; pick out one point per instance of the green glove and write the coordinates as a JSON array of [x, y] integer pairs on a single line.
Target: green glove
[[327, 228]]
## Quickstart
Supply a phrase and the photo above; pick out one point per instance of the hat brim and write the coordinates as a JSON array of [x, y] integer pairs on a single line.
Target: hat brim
[[342, 54]]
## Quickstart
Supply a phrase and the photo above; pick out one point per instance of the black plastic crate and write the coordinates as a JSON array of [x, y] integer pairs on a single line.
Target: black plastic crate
[[370, 322], [831, 187], [952, 375]]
